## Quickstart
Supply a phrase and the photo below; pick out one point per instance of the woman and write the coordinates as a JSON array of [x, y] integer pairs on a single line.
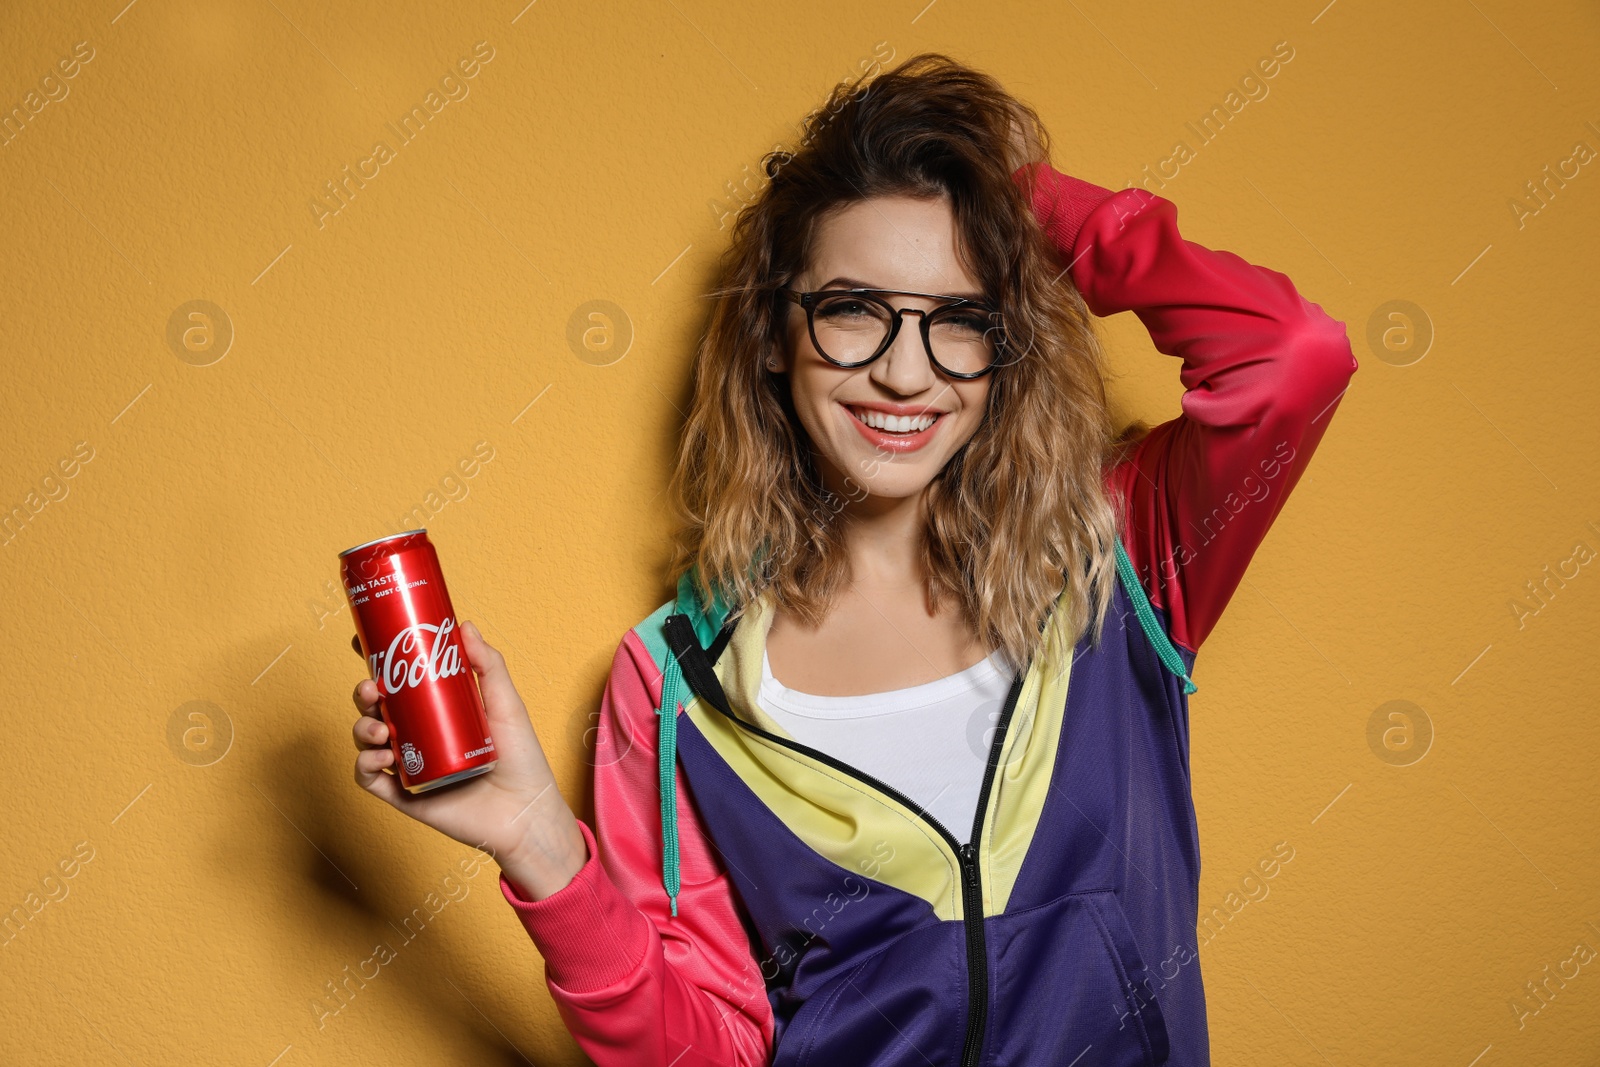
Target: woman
[[920, 793]]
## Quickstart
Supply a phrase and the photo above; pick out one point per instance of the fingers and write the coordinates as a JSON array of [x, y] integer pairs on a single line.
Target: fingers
[[368, 731], [369, 774], [366, 691], [365, 697], [493, 678], [371, 736]]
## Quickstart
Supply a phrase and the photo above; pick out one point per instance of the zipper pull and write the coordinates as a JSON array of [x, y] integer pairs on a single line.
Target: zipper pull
[[969, 863]]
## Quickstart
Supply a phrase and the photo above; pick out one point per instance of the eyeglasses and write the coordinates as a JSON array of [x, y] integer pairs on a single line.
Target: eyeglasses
[[852, 327]]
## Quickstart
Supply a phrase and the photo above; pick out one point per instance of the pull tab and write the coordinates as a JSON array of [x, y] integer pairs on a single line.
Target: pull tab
[[969, 863]]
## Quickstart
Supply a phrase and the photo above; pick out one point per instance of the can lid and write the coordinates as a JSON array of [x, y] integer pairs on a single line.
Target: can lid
[[379, 541]]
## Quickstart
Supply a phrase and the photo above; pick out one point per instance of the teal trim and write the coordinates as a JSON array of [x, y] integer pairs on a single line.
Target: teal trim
[[1165, 650], [707, 623], [651, 635]]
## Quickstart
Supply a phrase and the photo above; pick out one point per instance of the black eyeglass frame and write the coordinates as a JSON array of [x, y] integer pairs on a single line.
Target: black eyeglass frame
[[809, 301]]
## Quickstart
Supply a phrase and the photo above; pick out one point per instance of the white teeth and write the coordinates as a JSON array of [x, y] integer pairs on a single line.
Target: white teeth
[[879, 420]]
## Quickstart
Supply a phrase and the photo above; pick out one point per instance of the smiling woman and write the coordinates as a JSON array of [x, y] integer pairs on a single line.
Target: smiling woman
[[908, 192], [919, 580]]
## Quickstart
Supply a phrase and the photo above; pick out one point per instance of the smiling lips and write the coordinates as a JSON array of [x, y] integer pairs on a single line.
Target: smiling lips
[[895, 428]]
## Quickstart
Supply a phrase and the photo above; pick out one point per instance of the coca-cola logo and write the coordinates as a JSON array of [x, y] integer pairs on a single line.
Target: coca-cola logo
[[420, 651]]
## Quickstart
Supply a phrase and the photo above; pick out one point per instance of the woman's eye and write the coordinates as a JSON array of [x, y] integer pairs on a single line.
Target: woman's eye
[[840, 309], [965, 323]]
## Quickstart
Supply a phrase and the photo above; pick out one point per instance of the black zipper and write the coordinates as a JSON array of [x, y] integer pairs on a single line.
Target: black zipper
[[966, 854], [972, 887]]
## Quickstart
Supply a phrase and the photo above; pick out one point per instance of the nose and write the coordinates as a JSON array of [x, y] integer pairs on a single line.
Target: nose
[[905, 368]]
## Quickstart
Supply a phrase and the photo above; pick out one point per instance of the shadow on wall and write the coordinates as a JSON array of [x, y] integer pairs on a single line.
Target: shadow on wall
[[361, 902]]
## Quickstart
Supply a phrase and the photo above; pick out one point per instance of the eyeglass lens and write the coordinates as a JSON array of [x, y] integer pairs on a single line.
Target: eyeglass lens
[[849, 329]]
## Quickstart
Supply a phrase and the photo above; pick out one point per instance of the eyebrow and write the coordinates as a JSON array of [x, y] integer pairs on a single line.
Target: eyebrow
[[854, 283]]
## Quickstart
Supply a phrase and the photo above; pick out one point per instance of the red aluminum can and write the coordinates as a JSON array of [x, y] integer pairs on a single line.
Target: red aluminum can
[[427, 692]]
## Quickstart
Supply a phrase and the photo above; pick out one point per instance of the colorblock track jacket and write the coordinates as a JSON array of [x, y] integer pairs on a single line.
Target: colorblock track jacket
[[748, 900]]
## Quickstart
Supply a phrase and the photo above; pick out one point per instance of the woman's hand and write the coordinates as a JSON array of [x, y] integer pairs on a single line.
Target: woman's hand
[[514, 811]]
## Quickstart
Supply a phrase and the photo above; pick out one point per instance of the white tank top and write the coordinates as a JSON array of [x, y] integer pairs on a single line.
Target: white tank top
[[929, 741]]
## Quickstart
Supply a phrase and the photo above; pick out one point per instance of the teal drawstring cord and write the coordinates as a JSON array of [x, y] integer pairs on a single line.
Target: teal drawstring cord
[[671, 693], [1147, 619], [674, 692]]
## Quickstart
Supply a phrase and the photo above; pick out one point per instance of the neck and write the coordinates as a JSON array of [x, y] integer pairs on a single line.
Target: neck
[[884, 538]]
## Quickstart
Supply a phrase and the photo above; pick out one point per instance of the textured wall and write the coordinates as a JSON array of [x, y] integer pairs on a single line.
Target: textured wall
[[179, 477]]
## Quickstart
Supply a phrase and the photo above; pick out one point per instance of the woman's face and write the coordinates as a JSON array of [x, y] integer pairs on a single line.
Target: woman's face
[[883, 243]]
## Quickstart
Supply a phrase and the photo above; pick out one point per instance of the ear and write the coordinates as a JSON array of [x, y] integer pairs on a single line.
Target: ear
[[776, 361]]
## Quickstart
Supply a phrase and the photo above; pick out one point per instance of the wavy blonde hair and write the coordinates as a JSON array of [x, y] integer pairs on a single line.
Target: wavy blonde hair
[[1016, 517]]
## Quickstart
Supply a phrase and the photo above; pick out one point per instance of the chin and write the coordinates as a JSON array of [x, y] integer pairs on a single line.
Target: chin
[[887, 479]]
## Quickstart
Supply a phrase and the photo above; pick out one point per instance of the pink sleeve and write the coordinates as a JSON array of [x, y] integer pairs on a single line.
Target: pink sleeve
[[635, 985], [1263, 369]]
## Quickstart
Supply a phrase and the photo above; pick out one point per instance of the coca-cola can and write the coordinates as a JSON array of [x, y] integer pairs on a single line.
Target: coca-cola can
[[427, 692]]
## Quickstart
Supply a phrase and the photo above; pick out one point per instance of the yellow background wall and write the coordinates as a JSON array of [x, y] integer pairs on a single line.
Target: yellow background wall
[[221, 878]]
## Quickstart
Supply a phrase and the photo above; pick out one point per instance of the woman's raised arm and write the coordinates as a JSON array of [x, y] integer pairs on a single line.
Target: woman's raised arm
[[1263, 370]]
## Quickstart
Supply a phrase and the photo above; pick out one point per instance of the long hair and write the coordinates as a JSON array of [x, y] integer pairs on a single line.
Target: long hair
[[1020, 513]]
